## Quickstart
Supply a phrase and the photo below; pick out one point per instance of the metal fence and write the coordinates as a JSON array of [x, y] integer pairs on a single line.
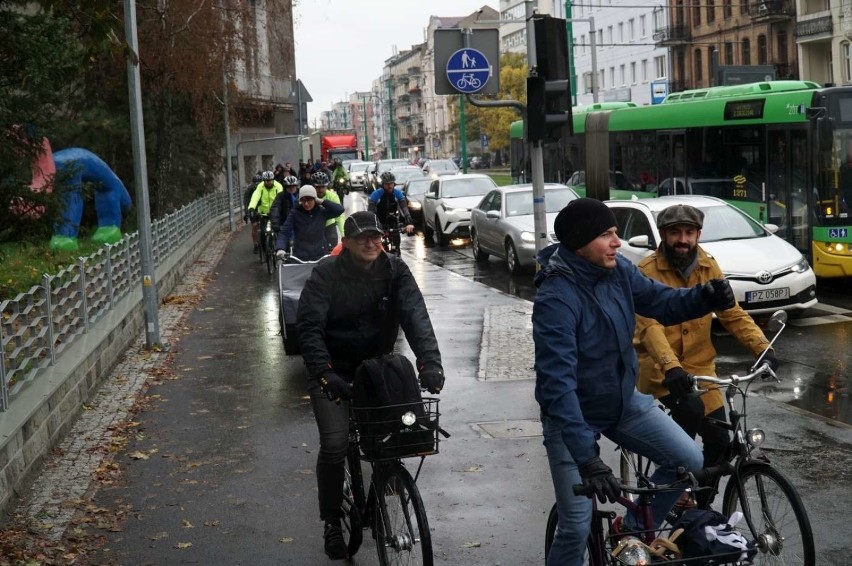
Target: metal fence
[[36, 327]]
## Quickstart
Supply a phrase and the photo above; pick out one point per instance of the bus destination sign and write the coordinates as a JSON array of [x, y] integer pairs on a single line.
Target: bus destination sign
[[744, 110]]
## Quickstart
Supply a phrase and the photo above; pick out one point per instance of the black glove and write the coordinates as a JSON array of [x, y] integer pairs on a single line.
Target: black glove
[[432, 379], [245, 218], [335, 387], [598, 476], [771, 360], [718, 295], [253, 215], [678, 382]]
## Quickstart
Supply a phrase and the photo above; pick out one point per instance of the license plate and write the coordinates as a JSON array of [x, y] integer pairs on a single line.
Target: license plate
[[768, 295]]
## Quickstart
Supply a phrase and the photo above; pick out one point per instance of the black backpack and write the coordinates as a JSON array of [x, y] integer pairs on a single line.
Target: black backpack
[[384, 389]]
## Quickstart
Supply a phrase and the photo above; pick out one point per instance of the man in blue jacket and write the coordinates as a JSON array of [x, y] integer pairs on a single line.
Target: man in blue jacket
[[583, 321]]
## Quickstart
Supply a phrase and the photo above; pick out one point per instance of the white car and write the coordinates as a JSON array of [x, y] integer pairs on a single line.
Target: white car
[[503, 224], [358, 174], [446, 208], [765, 272]]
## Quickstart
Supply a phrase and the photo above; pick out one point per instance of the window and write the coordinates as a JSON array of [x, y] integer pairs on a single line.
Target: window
[[601, 80], [633, 72], [622, 74], [609, 35], [746, 58], [781, 43], [727, 9], [660, 66], [711, 11], [600, 37], [729, 53], [643, 29], [657, 14], [582, 44], [743, 8], [846, 53], [631, 31], [621, 32], [696, 14], [711, 51], [698, 66], [761, 50], [644, 70], [612, 76]]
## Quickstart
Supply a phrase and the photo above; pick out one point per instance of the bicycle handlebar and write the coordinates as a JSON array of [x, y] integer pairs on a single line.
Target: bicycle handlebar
[[685, 480], [763, 370]]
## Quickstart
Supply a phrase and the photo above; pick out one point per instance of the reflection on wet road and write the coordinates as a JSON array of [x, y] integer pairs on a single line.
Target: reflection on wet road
[[815, 349]]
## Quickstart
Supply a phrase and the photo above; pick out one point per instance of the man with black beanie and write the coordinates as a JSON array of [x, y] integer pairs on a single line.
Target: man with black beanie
[[583, 321]]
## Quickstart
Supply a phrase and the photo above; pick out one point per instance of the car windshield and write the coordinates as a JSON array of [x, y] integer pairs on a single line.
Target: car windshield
[[521, 204], [403, 175], [442, 165], [358, 167], [418, 187], [390, 164], [475, 187], [723, 223]]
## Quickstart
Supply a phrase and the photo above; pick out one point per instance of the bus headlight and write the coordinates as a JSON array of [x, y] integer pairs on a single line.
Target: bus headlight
[[802, 266], [408, 418], [755, 437]]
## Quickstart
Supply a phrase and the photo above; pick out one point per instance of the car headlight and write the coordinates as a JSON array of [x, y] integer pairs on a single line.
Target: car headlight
[[802, 266], [414, 206], [451, 210], [527, 237]]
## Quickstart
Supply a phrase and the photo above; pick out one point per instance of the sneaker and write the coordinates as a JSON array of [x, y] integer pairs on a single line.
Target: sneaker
[[335, 546], [256, 249]]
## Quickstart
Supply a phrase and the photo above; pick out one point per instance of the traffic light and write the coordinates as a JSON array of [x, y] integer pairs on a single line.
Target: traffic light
[[549, 91]]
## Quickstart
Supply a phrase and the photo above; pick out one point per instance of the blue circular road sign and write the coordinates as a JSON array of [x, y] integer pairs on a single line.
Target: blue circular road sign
[[468, 70]]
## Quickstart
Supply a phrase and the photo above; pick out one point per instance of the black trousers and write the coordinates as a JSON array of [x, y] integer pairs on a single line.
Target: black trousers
[[333, 424], [689, 414]]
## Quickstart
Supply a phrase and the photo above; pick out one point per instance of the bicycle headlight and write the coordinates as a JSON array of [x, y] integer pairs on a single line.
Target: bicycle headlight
[[755, 437], [632, 551], [408, 418], [268, 227]]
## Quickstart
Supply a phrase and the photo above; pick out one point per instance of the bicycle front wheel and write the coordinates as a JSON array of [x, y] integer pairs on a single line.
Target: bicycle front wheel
[[594, 554], [270, 255], [781, 527], [402, 530], [353, 501]]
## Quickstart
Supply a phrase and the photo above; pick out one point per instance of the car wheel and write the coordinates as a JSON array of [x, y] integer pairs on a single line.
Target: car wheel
[[440, 238], [479, 255], [427, 230], [512, 263]]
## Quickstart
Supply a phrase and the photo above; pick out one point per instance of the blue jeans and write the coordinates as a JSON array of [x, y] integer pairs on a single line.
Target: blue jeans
[[643, 429]]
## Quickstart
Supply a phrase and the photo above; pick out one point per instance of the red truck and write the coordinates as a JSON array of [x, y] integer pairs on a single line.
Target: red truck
[[328, 145]]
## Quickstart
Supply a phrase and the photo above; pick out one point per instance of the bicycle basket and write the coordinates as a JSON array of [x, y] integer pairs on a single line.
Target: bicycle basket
[[407, 430]]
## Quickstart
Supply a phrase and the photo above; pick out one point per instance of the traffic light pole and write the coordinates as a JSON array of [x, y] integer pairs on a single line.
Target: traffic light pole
[[535, 150]]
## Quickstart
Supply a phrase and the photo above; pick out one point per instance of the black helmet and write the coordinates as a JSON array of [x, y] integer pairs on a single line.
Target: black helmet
[[319, 178], [257, 178], [388, 177]]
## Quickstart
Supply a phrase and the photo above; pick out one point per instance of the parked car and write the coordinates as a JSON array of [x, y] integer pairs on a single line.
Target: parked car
[[765, 272], [502, 224], [415, 192], [358, 173], [446, 208], [437, 167]]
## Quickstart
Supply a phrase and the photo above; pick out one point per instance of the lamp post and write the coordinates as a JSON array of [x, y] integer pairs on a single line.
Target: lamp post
[[366, 138], [390, 119]]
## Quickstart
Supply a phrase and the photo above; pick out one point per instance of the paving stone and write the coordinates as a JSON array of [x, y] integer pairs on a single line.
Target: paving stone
[[507, 349]]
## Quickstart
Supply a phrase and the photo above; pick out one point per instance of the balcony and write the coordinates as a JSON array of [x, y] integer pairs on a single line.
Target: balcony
[[414, 71], [821, 26], [671, 36], [771, 10], [403, 98]]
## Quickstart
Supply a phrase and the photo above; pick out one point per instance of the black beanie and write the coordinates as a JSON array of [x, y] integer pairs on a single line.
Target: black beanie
[[581, 221]]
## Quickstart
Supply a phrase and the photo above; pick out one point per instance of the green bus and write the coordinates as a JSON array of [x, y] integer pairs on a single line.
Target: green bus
[[781, 151]]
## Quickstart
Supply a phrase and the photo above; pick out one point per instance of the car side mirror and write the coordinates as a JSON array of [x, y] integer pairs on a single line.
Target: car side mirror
[[639, 242], [773, 228], [493, 214]]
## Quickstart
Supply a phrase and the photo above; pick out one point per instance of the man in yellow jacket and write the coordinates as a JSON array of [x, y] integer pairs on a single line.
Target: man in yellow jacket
[[668, 354]]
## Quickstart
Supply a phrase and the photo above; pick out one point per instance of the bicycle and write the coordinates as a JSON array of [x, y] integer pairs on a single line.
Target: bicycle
[[775, 516], [392, 508], [262, 222], [468, 80], [268, 245], [391, 235]]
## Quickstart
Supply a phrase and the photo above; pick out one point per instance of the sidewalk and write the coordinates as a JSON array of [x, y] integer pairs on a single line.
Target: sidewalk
[[205, 454]]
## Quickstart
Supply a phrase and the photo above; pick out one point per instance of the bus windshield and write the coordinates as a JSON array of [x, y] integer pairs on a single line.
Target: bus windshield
[[833, 192]]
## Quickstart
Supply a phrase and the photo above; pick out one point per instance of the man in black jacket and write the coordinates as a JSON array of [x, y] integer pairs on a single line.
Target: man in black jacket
[[350, 310], [304, 227]]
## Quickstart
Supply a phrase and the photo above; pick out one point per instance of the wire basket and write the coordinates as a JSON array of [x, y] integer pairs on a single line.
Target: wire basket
[[663, 551], [390, 432]]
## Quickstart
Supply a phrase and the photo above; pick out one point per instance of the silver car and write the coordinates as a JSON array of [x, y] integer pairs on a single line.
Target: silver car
[[502, 224], [415, 193]]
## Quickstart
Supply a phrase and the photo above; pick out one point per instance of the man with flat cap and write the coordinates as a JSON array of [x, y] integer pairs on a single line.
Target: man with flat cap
[[583, 320], [669, 354], [351, 310]]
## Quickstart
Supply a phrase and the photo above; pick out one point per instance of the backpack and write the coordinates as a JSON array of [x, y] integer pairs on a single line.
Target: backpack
[[383, 390], [710, 538]]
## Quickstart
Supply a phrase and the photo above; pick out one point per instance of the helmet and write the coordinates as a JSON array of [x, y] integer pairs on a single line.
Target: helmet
[[388, 177], [290, 181], [257, 178], [320, 178], [268, 175]]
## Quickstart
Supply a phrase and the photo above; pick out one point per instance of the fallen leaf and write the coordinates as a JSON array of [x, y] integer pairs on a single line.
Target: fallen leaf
[[286, 540], [204, 358], [138, 455], [187, 524], [183, 545], [159, 536], [211, 523], [475, 544], [474, 468]]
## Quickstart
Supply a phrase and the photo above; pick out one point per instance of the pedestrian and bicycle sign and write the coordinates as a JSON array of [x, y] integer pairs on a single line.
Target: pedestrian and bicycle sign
[[468, 70]]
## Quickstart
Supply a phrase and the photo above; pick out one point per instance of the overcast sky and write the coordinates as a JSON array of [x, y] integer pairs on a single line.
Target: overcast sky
[[341, 45]]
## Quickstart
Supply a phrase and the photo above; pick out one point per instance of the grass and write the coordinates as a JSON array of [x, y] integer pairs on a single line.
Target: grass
[[23, 264], [502, 179]]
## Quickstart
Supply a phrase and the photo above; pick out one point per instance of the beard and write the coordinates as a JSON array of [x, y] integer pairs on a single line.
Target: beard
[[680, 257]]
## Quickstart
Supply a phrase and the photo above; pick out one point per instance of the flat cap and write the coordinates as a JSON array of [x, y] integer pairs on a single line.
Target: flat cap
[[680, 214], [361, 222]]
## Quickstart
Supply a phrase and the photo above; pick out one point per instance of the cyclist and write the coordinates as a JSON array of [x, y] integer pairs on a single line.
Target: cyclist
[[351, 310], [284, 202], [333, 226], [255, 181], [304, 227], [261, 200], [583, 319], [387, 200], [668, 354], [340, 177]]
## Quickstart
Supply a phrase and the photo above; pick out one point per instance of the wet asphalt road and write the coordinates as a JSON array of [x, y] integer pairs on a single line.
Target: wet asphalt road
[[236, 440]]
